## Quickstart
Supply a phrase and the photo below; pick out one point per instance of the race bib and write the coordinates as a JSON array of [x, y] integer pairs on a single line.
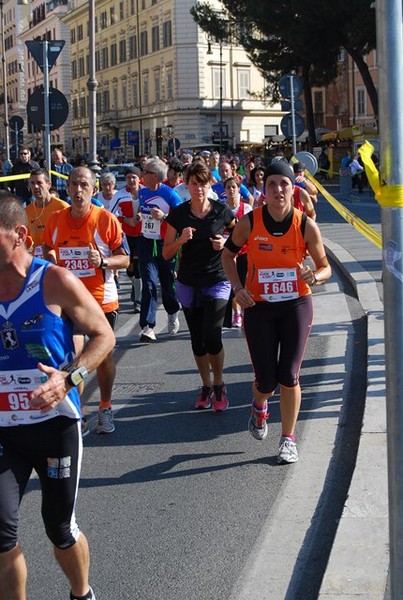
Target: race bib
[[277, 285], [15, 388], [76, 260], [150, 227]]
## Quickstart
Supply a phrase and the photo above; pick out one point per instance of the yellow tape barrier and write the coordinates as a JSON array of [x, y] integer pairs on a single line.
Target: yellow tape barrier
[[388, 196], [27, 175], [361, 226]]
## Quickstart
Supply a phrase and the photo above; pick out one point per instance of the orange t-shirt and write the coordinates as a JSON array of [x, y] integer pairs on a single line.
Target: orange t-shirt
[[70, 238], [37, 219], [272, 261]]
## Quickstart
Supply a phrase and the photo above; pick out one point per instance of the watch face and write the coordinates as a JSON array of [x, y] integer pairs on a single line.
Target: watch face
[[78, 375]]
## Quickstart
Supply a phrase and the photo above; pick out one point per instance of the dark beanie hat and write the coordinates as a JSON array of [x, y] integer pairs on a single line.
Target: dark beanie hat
[[279, 167]]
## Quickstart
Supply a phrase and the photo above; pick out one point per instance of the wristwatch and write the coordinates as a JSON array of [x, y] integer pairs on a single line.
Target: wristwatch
[[104, 264], [76, 375]]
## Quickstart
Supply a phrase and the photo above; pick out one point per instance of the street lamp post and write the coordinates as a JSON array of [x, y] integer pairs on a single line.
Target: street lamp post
[[4, 75], [209, 51], [92, 86]]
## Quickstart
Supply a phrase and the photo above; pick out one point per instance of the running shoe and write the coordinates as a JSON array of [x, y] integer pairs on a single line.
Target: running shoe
[[220, 399], [237, 320], [258, 423], [136, 307], [84, 427], [287, 451], [203, 400], [148, 335], [88, 597], [105, 421], [173, 324]]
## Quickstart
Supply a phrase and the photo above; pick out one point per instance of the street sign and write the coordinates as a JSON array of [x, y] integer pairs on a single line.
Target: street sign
[[133, 137], [53, 51], [284, 85], [286, 125], [16, 123], [286, 104], [58, 108], [309, 160]]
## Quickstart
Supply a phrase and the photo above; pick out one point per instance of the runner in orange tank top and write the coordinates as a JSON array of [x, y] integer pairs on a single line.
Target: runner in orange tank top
[[277, 299]]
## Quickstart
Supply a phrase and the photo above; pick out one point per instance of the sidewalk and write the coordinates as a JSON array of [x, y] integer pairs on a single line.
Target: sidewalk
[[359, 561]]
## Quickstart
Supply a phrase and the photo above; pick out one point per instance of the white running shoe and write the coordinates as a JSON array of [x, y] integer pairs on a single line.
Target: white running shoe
[[173, 324], [148, 335], [287, 451]]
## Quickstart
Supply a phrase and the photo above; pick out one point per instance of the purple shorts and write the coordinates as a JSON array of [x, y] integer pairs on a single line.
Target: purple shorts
[[190, 296]]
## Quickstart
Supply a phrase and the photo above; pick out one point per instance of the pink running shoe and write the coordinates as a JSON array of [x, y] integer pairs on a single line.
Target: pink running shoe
[[220, 400], [237, 320], [204, 398]]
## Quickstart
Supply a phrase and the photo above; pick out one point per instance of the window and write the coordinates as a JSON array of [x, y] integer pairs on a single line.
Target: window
[[218, 82], [80, 33], [157, 87], [114, 55], [135, 93], [73, 36], [75, 108], [145, 90], [132, 47], [97, 60], [105, 59], [122, 51], [155, 35], [74, 69], [143, 43], [167, 34], [243, 83], [115, 98], [82, 107], [169, 86], [105, 100], [112, 15], [361, 102], [81, 66], [104, 20], [121, 11]]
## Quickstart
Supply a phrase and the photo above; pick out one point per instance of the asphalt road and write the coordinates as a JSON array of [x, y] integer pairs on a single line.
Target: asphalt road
[[185, 505]]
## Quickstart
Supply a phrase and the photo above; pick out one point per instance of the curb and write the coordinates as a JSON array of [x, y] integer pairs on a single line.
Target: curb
[[359, 561]]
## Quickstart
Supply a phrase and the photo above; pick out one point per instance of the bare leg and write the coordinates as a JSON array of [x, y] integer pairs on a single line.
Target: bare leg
[[13, 575], [258, 397], [106, 376], [290, 402], [75, 563], [217, 366], [203, 365]]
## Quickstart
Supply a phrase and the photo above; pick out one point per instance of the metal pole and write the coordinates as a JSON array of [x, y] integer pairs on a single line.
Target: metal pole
[[5, 97], [390, 53], [92, 86], [294, 140], [221, 97], [46, 97]]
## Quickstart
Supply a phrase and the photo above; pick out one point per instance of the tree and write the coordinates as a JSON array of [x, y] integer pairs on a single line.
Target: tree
[[296, 35]]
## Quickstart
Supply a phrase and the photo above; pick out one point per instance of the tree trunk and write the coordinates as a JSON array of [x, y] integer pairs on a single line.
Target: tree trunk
[[310, 119]]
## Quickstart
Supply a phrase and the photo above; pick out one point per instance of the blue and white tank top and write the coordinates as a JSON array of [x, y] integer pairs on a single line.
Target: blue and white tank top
[[31, 333]]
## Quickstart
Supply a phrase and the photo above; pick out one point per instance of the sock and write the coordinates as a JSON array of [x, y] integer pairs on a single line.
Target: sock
[[88, 596], [258, 409], [105, 404], [290, 436]]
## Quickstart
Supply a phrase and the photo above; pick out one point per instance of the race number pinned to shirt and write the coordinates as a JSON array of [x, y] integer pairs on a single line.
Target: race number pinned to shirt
[[277, 285], [76, 259], [150, 227]]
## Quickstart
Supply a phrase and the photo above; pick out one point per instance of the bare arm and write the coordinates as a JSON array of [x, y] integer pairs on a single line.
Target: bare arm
[[308, 204], [239, 237], [173, 242], [65, 294], [317, 252]]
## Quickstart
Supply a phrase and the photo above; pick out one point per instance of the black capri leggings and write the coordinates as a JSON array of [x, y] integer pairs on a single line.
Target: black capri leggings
[[205, 325], [277, 334]]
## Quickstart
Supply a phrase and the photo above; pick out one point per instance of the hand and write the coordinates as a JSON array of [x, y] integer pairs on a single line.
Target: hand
[[49, 394], [187, 234], [244, 298], [218, 242], [157, 213], [94, 256], [306, 273]]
